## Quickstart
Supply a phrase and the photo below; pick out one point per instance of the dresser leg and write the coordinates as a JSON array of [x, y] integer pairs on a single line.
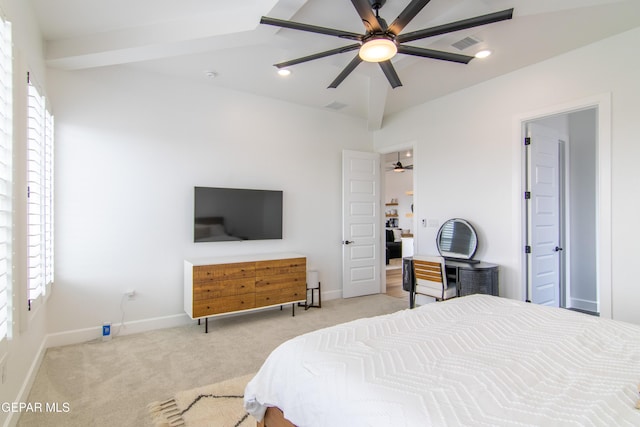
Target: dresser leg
[[206, 325], [293, 310]]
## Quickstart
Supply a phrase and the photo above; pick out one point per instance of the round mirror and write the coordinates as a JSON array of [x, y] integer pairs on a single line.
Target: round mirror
[[457, 239]]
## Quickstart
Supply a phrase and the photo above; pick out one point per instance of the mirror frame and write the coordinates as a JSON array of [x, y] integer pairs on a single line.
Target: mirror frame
[[456, 255]]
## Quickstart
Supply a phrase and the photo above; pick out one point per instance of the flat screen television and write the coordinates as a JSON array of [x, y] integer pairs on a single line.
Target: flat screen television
[[233, 214]]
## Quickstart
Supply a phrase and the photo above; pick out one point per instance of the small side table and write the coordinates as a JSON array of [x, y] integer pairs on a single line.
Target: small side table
[[313, 285]]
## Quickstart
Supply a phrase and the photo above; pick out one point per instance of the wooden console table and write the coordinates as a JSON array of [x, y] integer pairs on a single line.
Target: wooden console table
[[223, 285]]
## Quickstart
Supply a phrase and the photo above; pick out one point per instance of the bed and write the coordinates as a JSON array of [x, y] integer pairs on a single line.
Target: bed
[[478, 360]]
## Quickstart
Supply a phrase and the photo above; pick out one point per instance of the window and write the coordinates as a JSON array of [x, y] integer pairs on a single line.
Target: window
[[6, 175], [40, 196]]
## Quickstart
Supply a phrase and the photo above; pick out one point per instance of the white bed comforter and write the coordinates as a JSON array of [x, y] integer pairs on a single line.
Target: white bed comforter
[[475, 361]]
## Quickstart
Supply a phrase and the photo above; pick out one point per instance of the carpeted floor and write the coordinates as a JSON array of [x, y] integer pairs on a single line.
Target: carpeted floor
[[111, 383]]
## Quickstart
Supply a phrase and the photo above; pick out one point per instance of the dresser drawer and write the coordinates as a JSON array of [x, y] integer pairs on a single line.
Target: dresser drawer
[[280, 281], [281, 266], [205, 273], [279, 296], [222, 288], [223, 305]]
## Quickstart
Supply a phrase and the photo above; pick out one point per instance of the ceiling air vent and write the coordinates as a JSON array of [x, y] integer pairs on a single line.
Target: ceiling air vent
[[466, 43], [335, 105]]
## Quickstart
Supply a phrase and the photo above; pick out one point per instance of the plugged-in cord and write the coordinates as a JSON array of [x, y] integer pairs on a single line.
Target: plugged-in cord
[[115, 334]]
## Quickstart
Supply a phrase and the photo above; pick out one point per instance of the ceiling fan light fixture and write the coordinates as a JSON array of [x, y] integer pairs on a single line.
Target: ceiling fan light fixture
[[483, 53], [284, 72], [378, 49]]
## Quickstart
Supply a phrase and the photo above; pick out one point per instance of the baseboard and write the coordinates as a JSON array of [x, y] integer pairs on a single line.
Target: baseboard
[[583, 305], [88, 334], [23, 394], [336, 294]]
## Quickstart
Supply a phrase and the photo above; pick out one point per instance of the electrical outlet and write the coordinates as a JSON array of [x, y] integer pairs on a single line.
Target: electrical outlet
[[131, 293]]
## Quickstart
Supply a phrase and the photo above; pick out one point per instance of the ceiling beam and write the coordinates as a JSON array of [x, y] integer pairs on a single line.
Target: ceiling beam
[[167, 39], [378, 91]]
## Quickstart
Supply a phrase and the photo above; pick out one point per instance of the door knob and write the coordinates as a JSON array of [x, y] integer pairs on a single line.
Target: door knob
[[347, 242], [557, 249]]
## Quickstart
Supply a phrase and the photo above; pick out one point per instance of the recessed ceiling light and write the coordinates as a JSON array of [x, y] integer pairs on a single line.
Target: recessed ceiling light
[[211, 74], [284, 72], [483, 54]]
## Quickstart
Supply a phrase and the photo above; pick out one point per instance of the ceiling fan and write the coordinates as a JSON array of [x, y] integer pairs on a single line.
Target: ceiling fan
[[381, 42], [398, 167]]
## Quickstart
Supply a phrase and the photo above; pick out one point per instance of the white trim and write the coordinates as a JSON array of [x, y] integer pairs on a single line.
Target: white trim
[[27, 384], [582, 304], [88, 334], [603, 190]]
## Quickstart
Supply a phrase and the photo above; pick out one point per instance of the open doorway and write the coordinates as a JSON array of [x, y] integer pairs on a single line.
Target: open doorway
[[398, 216], [561, 210]]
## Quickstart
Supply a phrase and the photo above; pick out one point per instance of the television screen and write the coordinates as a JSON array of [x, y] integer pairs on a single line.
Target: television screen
[[228, 214]]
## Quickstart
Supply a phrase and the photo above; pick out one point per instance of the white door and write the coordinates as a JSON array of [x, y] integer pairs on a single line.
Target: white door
[[361, 252], [544, 215]]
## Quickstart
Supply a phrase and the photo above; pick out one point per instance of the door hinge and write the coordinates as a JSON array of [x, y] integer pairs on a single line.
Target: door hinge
[[527, 140], [527, 195], [527, 249]]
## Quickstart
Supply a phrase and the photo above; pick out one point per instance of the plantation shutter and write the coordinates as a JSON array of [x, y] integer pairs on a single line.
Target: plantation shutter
[[48, 199], [6, 174], [40, 195]]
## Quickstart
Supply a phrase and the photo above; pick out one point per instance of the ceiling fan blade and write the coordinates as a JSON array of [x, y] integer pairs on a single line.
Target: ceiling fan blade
[[318, 55], [390, 73], [369, 19], [434, 54], [407, 15], [456, 26], [310, 28], [347, 70]]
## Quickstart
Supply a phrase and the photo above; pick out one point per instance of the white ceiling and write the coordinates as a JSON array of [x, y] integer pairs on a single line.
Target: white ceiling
[[188, 38]]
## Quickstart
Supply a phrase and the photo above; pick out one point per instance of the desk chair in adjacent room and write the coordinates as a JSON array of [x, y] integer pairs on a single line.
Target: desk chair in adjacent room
[[431, 278]]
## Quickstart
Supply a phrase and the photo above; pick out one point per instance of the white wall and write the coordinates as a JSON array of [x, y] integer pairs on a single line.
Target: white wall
[[466, 155], [582, 152], [130, 148]]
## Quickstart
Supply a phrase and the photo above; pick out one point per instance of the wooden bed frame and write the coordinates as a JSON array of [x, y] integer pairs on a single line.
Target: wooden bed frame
[[274, 418]]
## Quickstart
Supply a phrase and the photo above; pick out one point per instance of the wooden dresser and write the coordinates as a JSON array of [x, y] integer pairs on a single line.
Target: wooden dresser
[[222, 285]]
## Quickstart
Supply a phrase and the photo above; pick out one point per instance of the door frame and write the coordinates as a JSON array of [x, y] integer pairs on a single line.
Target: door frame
[[392, 149], [602, 104]]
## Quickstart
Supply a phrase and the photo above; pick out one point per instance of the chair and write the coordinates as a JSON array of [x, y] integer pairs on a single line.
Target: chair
[[431, 278], [394, 249]]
